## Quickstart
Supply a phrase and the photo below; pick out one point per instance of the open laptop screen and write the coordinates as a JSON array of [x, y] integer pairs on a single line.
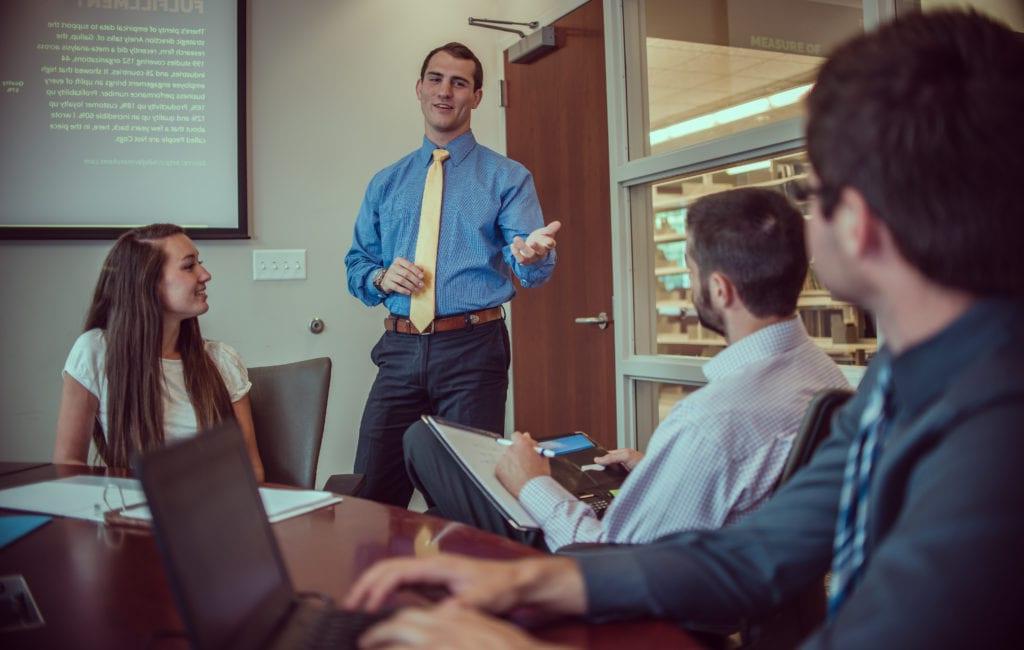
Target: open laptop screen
[[222, 560]]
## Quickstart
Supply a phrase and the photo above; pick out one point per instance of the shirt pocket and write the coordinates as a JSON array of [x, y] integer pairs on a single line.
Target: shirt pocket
[[470, 214], [399, 222]]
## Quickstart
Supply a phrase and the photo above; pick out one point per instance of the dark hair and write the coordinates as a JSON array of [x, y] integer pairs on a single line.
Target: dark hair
[[923, 118], [459, 51], [755, 237], [126, 306]]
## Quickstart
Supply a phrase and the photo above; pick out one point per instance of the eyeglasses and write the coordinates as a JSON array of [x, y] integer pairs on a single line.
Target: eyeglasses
[[804, 191], [107, 496], [828, 198]]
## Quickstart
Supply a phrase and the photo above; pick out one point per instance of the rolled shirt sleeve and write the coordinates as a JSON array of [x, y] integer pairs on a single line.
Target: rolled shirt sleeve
[[364, 258], [520, 215]]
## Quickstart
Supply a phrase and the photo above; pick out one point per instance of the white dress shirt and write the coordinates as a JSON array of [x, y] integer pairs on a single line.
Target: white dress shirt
[[717, 455]]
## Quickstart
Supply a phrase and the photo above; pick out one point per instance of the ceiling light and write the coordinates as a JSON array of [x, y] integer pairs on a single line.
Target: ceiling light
[[749, 167], [730, 114]]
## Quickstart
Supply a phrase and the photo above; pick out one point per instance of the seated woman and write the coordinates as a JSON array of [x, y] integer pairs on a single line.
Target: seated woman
[[141, 373]]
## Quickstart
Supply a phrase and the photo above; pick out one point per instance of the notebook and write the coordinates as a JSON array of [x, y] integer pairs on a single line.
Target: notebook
[[478, 453], [222, 561]]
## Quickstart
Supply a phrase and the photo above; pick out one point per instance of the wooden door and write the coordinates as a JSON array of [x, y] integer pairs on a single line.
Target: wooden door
[[557, 125]]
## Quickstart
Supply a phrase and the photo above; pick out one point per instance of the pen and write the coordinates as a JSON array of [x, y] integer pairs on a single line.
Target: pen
[[547, 453]]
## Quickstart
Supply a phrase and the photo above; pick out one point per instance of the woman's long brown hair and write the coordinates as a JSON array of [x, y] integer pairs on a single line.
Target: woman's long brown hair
[[126, 306]]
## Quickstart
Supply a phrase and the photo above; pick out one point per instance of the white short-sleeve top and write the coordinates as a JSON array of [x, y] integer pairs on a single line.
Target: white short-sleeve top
[[86, 364]]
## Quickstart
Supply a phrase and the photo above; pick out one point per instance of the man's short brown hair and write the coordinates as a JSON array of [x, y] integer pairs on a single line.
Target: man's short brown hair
[[459, 51], [923, 118], [755, 237]]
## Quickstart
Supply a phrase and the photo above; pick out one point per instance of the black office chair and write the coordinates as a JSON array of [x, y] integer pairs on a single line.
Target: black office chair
[[792, 621], [814, 428], [289, 406], [345, 484]]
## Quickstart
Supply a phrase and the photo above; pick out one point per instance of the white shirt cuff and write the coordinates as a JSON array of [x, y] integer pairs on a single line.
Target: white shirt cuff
[[542, 495]]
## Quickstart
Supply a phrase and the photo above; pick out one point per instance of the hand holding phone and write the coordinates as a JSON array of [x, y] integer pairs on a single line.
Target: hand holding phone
[[568, 444], [627, 457]]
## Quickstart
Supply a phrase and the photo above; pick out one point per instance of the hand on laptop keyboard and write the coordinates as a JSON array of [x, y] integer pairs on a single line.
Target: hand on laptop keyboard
[[341, 629], [449, 625]]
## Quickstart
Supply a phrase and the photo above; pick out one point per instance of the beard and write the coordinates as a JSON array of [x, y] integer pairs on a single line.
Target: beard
[[706, 314]]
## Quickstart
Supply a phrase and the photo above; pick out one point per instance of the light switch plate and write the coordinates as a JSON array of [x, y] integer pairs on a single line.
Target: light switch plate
[[286, 264]]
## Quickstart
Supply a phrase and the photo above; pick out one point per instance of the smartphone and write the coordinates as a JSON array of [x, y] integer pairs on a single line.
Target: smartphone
[[568, 443]]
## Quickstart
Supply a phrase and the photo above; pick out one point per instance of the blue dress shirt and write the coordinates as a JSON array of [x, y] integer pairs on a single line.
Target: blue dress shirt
[[488, 200]]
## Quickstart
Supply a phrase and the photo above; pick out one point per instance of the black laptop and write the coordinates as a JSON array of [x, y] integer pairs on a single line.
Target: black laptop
[[222, 560]]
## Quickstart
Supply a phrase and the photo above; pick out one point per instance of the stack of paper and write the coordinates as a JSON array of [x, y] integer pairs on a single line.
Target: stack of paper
[[90, 497]]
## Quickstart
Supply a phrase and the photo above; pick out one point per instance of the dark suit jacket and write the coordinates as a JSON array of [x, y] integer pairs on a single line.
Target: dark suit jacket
[[945, 566]]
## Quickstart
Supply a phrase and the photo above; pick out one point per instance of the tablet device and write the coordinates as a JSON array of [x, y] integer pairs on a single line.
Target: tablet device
[[567, 444]]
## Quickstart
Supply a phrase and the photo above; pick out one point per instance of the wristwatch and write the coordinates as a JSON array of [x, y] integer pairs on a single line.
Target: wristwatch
[[377, 279]]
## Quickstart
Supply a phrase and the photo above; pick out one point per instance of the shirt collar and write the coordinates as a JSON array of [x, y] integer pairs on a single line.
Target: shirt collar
[[457, 149], [922, 373], [762, 344]]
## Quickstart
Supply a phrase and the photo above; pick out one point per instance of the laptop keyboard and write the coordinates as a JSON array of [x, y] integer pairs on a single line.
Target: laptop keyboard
[[599, 505], [340, 629]]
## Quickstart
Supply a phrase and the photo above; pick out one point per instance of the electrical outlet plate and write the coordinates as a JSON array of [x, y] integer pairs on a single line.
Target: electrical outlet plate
[[279, 264]]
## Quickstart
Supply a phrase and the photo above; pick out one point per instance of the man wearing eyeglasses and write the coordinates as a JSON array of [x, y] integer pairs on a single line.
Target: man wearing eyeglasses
[[914, 503]]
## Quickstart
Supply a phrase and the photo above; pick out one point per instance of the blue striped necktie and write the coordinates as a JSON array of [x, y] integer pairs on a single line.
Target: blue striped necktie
[[851, 527]]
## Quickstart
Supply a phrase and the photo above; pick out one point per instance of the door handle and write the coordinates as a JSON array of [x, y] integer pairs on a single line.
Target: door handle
[[601, 320]]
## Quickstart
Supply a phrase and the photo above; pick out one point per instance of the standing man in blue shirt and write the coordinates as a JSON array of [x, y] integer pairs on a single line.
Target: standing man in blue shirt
[[436, 238]]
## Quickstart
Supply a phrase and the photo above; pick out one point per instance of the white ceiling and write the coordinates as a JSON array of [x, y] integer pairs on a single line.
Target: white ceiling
[[688, 79]]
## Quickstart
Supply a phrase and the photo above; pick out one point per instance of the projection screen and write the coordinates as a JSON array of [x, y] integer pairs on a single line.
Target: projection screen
[[117, 113]]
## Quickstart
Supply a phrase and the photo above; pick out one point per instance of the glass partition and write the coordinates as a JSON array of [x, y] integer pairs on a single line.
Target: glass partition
[[707, 69], [666, 321], [654, 401]]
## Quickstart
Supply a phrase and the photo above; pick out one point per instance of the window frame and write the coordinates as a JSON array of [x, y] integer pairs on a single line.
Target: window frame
[[624, 67]]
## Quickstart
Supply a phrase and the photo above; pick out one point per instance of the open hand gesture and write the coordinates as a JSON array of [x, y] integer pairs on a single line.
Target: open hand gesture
[[537, 244]]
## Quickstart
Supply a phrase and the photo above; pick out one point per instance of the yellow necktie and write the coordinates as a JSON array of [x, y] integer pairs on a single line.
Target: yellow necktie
[[421, 309]]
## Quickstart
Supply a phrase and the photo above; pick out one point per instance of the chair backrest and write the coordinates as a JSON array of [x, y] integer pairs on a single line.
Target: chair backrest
[[814, 428], [790, 623], [289, 405]]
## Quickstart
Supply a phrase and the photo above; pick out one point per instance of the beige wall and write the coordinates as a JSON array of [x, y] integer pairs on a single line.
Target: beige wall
[[331, 102]]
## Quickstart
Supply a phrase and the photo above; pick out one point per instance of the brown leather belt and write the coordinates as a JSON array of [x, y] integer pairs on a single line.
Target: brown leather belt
[[447, 324]]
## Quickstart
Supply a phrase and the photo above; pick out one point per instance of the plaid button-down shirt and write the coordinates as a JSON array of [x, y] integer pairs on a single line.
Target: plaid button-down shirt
[[716, 456]]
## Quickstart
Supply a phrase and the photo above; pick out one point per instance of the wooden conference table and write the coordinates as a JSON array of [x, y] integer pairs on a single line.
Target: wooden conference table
[[104, 587]]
